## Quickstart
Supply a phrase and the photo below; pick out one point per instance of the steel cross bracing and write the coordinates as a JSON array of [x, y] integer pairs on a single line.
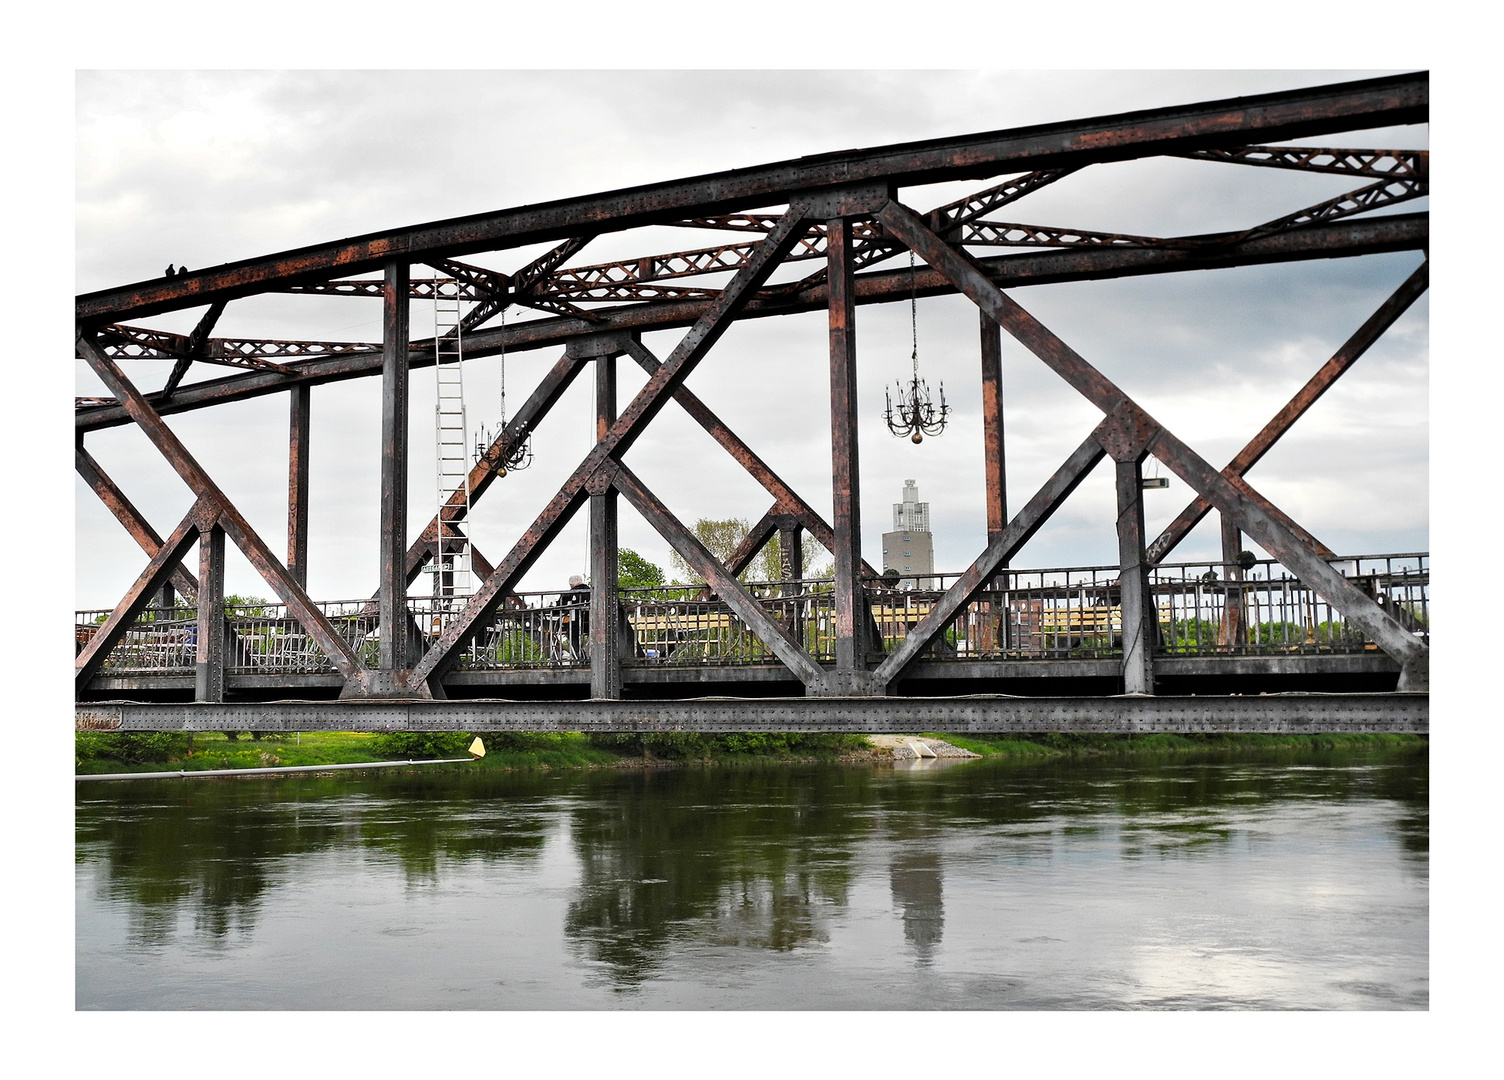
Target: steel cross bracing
[[841, 210]]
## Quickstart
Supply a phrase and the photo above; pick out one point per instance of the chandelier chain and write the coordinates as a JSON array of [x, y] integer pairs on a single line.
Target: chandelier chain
[[916, 414]]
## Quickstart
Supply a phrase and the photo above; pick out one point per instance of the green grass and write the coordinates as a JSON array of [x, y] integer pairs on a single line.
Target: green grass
[[96, 752], [1060, 744]]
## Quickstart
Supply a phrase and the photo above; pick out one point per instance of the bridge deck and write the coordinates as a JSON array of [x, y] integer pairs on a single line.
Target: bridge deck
[[1395, 713], [1044, 648], [1037, 624]]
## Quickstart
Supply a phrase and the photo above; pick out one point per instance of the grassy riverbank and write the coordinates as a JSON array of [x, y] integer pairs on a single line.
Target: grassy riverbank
[[1059, 744], [97, 752]]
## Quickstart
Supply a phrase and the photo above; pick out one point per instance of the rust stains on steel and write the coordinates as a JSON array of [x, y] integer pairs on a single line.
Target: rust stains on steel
[[842, 208], [1371, 103], [1296, 407], [1398, 232]]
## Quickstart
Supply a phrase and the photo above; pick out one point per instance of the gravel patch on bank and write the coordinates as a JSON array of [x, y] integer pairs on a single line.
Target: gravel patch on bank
[[902, 747]]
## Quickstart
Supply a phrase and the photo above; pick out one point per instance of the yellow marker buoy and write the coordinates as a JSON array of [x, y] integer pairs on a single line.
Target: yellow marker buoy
[[477, 749]]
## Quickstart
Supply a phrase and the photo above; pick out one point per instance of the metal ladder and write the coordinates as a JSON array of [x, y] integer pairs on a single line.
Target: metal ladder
[[451, 569]]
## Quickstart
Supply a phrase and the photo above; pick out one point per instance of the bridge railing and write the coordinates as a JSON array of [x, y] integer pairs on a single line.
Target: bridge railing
[[161, 641], [671, 626], [1203, 608]]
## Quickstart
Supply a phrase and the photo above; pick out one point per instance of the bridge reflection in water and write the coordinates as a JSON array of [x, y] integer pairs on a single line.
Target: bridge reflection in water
[[1184, 882]]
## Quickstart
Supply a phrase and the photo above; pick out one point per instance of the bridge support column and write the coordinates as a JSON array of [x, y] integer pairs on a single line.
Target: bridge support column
[[209, 661], [605, 611], [850, 676], [1140, 620], [392, 602], [791, 569], [1231, 632], [994, 460], [297, 484]]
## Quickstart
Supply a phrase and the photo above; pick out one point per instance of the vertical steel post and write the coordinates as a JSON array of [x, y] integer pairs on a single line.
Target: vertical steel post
[[605, 610], [790, 554], [1231, 632], [846, 517], [393, 599], [297, 484], [209, 663], [993, 454], [791, 569], [994, 460], [1140, 623]]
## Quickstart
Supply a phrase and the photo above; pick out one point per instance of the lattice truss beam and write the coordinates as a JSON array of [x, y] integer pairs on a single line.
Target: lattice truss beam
[[714, 286], [544, 285]]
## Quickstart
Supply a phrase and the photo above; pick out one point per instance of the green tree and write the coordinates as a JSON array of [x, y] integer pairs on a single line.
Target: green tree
[[635, 572], [720, 537], [723, 537], [768, 566]]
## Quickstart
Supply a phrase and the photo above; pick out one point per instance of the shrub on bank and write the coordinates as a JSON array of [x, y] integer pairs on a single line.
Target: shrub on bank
[[691, 745], [421, 744], [131, 747]]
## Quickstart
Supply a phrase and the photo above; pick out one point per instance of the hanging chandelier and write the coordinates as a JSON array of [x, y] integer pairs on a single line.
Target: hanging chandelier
[[514, 457], [916, 414]]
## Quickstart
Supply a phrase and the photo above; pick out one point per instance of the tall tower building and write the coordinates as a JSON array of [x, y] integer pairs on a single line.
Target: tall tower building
[[909, 548]]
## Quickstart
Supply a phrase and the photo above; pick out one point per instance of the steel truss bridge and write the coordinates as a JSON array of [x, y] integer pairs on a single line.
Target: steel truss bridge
[[1308, 640]]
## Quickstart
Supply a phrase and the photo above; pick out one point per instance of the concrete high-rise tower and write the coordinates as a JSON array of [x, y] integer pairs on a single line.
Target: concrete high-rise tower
[[909, 548]]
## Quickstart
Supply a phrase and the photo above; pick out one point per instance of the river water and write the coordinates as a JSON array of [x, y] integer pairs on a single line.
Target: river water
[[1249, 882]]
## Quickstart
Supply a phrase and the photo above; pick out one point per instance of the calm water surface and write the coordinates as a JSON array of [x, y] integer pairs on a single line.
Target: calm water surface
[[1272, 882]]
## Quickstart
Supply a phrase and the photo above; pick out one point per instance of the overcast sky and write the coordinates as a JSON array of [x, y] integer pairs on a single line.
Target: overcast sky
[[204, 168], [212, 168]]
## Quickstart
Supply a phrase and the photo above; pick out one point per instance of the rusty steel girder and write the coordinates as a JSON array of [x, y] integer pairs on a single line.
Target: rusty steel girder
[[1353, 237], [1376, 163], [1369, 103], [841, 211]]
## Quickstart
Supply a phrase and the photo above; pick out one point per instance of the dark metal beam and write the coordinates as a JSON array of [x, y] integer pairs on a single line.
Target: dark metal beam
[[1340, 239], [605, 612], [1254, 514], [209, 659], [850, 598], [299, 606], [994, 459], [488, 469], [945, 219], [745, 456], [720, 580], [126, 513], [1354, 347], [1369, 103], [139, 596], [756, 539], [298, 431], [394, 426], [979, 574], [1136, 603], [1375, 163], [1272, 713], [628, 427]]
